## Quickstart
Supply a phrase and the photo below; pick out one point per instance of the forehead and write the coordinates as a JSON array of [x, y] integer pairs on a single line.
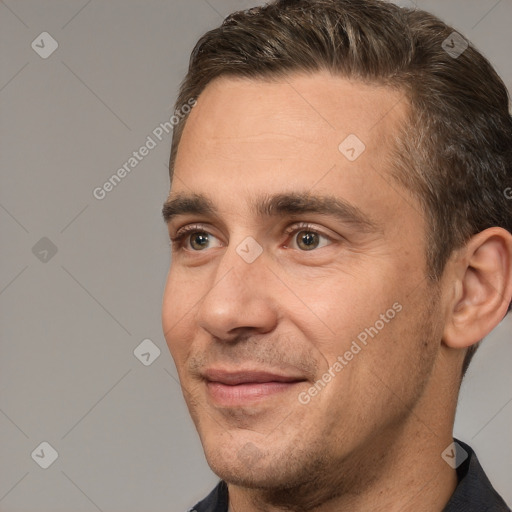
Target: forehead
[[316, 131], [309, 106]]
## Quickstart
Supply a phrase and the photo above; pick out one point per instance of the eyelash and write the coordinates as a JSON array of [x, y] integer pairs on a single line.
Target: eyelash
[[183, 232], [177, 240]]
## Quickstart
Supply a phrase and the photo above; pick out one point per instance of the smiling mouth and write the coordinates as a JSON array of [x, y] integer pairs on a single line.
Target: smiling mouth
[[232, 389]]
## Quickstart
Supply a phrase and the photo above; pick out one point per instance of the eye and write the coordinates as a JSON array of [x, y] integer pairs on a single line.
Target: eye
[[307, 238], [194, 239]]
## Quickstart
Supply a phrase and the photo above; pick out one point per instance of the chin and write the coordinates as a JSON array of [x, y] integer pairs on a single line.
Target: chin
[[246, 465], [267, 467], [286, 480]]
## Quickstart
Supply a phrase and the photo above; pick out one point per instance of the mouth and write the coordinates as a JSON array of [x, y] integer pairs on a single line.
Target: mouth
[[238, 388]]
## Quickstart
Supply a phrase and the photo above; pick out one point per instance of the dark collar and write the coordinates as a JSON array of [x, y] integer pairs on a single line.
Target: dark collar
[[216, 501], [474, 492]]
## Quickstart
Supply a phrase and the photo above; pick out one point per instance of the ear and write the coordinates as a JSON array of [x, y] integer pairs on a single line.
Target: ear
[[481, 277]]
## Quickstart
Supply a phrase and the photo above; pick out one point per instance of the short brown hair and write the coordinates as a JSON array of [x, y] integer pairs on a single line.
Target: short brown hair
[[455, 150]]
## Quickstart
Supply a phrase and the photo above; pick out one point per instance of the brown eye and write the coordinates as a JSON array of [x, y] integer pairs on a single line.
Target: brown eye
[[307, 240], [199, 241], [193, 239]]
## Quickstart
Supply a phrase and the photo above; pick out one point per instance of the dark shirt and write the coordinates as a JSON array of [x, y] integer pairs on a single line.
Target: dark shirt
[[474, 492]]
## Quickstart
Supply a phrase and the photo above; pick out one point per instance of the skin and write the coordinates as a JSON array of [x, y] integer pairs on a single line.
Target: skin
[[372, 437]]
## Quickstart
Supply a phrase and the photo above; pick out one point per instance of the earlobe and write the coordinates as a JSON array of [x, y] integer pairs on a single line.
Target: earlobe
[[481, 277]]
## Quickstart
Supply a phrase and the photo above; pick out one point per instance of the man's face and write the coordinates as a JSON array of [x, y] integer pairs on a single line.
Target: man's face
[[274, 286]]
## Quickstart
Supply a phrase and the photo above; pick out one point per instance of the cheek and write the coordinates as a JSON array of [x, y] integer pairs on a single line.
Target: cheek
[[342, 305], [178, 305], [382, 376], [398, 352]]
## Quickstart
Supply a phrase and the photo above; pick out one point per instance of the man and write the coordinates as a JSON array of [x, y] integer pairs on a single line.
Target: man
[[341, 242]]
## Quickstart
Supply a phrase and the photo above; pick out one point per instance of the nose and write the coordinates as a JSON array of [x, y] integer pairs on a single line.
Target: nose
[[239, 301]]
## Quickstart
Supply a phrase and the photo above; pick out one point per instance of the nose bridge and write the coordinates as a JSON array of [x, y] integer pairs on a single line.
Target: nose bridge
[[240, 270], [238, 295]]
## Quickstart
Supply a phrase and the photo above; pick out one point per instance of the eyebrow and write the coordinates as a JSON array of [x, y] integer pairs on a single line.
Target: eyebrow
[[276, 205], [182, 204]]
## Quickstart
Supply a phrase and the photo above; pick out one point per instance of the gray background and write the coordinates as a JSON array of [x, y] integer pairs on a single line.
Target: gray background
[[70, 324]]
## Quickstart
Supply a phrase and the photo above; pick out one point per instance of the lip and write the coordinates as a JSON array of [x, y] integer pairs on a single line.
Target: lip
[[232, 378], [241, 387]]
